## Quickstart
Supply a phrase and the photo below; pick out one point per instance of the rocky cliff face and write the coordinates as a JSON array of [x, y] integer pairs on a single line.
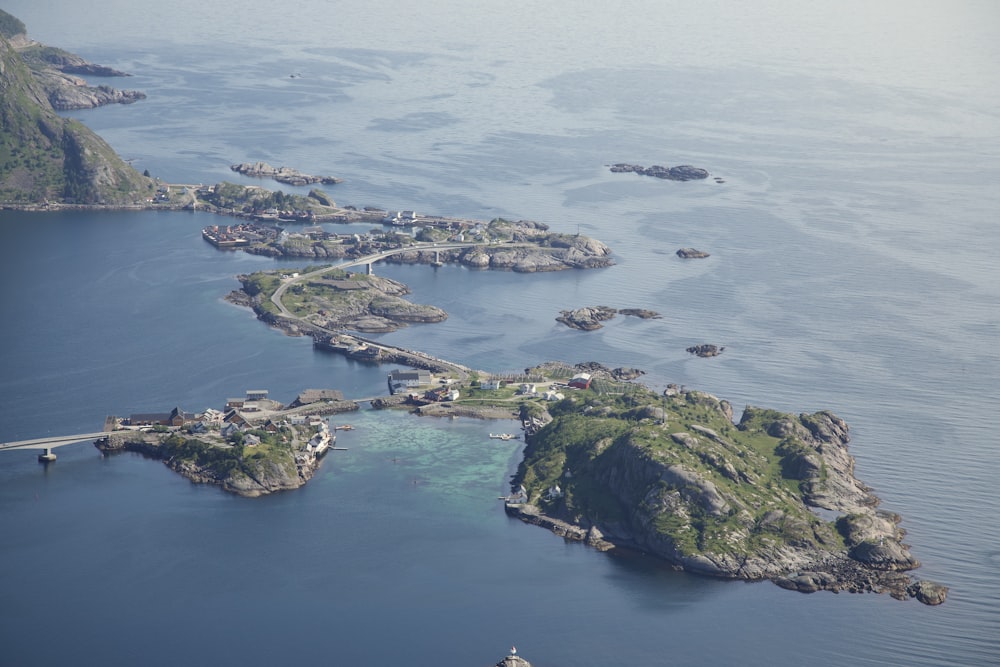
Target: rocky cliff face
[[66, 92], [55, 70], [50, 159], [673, 476]]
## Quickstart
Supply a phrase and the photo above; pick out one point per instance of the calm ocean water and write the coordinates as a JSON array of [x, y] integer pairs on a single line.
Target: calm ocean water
[[853, 268]]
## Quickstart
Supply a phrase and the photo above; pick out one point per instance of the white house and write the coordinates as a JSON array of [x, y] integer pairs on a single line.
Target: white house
[[407, 379]]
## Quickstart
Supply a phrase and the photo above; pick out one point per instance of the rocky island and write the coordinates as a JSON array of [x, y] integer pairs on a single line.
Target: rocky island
[[285, 175], [771, 497], [684, 172], [706, 350], [334, 301], [522, 246], [589, 318]]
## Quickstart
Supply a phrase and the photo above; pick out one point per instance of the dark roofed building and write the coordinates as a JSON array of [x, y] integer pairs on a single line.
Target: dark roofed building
[[175, 417], [310, 396], [234, 417]]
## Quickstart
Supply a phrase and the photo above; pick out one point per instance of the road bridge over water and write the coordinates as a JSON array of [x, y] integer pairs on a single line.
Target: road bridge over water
[[367, 262], [50, 443]]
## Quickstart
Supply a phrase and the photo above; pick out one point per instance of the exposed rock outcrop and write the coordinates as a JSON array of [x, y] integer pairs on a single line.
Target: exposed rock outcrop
[[555, 253], [59, 74], [589, 318], [513, 660], [67, 92], [682, 172], [367, 303], [691, 253], [586, 319], [706, 350], [285, 175]]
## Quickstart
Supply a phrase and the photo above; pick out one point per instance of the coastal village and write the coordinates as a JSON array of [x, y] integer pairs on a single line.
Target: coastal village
[[250, 421], [255, 445]]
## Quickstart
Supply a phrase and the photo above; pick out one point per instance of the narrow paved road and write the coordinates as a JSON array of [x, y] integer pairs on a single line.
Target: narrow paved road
[[276, 298]]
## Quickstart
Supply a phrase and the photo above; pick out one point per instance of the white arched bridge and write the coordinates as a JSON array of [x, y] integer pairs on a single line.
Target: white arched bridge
[[50, 443]]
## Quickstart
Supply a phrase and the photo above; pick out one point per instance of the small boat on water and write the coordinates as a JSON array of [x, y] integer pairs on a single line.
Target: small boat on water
[[504, 436]]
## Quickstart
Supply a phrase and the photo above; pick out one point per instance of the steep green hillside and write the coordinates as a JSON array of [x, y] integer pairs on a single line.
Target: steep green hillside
[[47, 158], [10, 25], [772, 497]]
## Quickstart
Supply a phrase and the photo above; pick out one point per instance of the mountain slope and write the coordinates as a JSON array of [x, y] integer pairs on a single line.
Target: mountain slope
[[47, 158]]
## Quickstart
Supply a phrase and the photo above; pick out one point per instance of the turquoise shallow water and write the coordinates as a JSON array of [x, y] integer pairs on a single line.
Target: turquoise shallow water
[[852, 268]]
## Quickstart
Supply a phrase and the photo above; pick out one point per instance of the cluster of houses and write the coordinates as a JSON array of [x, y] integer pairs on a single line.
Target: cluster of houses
[[401, 218], [233, 236], [401, 381], [578, 381], [405, 380], [238, 415], [520, 495], [162, 195]]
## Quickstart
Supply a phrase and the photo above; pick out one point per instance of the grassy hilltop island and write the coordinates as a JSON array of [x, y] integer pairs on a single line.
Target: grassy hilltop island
[[333, 300], [772, 497], [45, 158]]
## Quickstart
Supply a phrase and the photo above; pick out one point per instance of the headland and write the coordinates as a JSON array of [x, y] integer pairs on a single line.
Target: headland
[[772, 496]]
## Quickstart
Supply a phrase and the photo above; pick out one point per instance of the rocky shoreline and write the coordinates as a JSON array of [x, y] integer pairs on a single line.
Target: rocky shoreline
[[590, 318], [702, 480], [285, 175], [56, 70], [827, 572], [249, 481]]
